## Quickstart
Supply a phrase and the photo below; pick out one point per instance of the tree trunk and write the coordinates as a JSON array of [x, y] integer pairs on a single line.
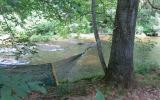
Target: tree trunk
[[120, 67], [98, 42]]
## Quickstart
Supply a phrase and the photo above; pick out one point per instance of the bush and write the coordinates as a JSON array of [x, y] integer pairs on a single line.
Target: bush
[[43, 28], [40, 38], [62, 30], [43, 31], [80, 26], [148, 22], [144, 64], [21, 37], [146, 68]]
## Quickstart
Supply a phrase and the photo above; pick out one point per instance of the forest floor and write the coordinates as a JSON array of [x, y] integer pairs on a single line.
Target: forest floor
[[145, 87], [86, 90]]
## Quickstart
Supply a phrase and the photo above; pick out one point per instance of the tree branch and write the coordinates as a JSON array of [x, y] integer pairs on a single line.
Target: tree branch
[[97, 38], [153, 6]]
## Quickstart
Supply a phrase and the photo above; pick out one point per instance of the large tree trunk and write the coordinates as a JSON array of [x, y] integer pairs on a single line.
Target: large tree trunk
[[120, 67]]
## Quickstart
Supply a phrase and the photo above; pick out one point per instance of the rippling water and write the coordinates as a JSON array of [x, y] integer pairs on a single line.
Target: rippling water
[[7, 50], [49, 47], [46, 53], [13, 62]]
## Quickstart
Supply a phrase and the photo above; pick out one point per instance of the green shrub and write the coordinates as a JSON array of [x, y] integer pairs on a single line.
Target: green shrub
[[80, 26], [143, 63], [21, 37], [18, 86], [43, 28], [148, 21], [62, 30], [43, 31], [40, 38], [146, 67]]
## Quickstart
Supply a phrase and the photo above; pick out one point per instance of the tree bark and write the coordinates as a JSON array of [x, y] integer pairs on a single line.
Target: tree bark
[[98, 42], [120, 67]]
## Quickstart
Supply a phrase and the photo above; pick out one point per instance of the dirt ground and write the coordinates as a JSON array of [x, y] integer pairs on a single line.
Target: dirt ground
[[86, 90]]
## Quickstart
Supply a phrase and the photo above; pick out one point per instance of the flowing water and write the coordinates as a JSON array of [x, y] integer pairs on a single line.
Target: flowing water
[[55, 51], [46, 53]]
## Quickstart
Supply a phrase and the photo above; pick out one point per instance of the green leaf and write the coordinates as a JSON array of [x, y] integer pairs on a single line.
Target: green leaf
[[99, 95]]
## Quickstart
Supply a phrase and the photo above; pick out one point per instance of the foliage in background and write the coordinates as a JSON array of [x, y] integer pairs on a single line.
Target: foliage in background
[[71, 16], [18, 87], [80, 26], [21, 37], [46, 28], [145, 64], [148, 21]]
